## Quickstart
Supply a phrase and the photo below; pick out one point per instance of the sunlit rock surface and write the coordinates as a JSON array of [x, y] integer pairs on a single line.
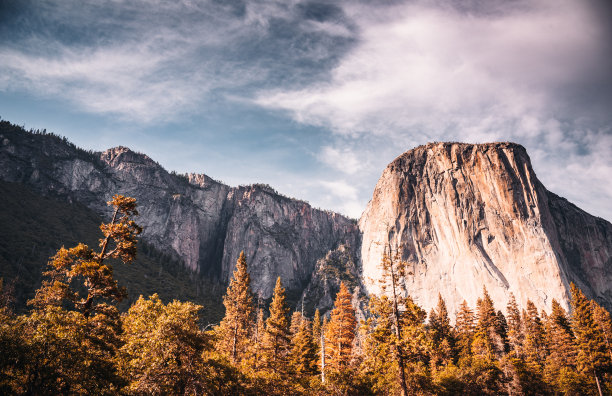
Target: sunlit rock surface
[[467, 216]]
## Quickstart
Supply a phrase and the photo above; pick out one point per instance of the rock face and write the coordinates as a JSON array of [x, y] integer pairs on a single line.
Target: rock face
[[467, 216], [201, 221]]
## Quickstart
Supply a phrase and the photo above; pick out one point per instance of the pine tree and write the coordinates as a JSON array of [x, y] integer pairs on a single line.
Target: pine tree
[[464, 329], [393, 270], [73, 333], [604, 321], [235, 329], [296, 321], [162, 351], [276, 341], [83, 264], [534, 344], [515, 328], [559, 369], [488, 343], [592, 358], [303, 357], [340, 331], [258, 334], [441, 333]]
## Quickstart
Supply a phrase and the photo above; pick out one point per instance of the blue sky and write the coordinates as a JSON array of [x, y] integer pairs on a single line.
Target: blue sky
[[316, 97]]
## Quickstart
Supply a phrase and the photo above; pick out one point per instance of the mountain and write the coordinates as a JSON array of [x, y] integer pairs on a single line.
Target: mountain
[[466, 216], [193, 218]]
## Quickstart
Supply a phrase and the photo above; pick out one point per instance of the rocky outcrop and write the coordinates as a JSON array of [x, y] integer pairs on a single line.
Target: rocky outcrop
[[199, 220], [338, 265], [472, 216]]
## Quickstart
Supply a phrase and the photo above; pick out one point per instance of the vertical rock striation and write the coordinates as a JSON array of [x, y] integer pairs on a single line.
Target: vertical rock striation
[[467, 216]]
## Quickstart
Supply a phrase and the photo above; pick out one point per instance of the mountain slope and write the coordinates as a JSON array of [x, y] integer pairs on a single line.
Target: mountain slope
[[193, 218], [467, 216]]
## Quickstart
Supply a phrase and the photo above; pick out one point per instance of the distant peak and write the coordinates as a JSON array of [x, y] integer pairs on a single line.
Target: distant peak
[[122, 154]]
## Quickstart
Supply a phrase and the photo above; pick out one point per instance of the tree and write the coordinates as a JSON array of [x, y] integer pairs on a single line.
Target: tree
[[560, 369], [464, 329], [592, 358], [303, 357], [515, 328], [340, 331], [276, 340], [535, 346], [162, 351], [72, 336], [235, 329], [441, 333]]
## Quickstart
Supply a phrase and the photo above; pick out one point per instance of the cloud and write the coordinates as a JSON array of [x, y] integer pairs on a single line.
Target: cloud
[[424, 71], [159, 61]]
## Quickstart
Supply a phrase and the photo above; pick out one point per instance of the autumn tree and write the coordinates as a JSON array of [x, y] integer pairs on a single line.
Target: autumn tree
[[441, 334], [72, 335], [592, 358], [276, 340], [340, 331], [560, 364], [235, 329], [303, 356], [162, 350], [515, 328]]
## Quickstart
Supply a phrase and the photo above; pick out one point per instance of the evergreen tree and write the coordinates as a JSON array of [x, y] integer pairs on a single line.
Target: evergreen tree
[[340, 331], [534, 344], [515, 328], [303, 357], [441, 334], [162, 351], [72, 336], [464, 329], [296, 321], [258, 335], [276, 341], [560, 369], [592, 358], [488, 343], [235, 329], [604, 321]]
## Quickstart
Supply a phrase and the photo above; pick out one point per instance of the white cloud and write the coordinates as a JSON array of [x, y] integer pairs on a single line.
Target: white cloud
[[421, 73]]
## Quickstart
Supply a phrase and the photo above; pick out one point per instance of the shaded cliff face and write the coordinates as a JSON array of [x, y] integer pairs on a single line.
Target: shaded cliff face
[[200, 221], [467, 216]]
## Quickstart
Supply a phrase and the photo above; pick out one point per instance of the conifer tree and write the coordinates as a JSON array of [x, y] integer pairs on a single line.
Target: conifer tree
[[340, 331], [604, 321], [559, 369], [592, 358], [534, 344], [235, 329], [303, 357], [515, 328], [276, 341], [258, 334], [464, 329], [441, 333], [162, 351], [487, 343], [296, 321], [316, 328]]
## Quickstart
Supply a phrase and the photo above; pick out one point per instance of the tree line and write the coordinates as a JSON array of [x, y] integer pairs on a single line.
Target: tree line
[[74, 340]]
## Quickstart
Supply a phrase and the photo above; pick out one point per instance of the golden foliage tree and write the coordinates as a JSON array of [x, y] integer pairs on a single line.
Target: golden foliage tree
[[340, 331], [162, 348], [234, 331]]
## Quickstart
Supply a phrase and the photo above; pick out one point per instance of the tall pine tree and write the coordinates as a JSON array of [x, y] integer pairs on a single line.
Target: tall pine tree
[[276, 340], [235, 329]]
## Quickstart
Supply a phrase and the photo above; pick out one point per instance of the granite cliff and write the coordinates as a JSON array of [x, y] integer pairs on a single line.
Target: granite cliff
[[200, 221], [466, 216]]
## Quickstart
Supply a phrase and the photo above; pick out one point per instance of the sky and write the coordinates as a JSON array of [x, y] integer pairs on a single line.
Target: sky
[[315, 98]]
